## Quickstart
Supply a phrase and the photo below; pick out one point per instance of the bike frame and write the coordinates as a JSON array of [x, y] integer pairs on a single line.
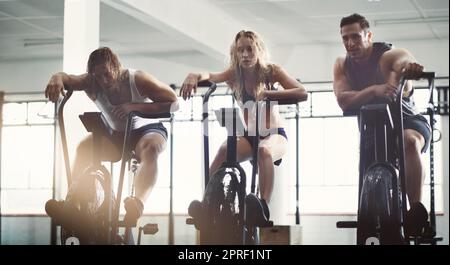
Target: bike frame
[[385, 148], [113, 216]]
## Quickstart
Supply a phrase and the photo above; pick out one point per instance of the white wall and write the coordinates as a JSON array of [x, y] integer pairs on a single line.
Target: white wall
[[33, 75], [27, 76], [445, 183], [307, 62], [167, 71], [315, 62]]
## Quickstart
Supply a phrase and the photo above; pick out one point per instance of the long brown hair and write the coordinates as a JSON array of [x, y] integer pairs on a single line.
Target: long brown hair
[[105, 56]]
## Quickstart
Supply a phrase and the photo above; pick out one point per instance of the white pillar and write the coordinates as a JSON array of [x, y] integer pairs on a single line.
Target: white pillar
[[445, 181], [81, 37], [81, 33]]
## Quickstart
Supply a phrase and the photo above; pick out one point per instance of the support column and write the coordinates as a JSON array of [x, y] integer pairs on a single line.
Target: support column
[[445, 181], [81, 37], [81, 33]]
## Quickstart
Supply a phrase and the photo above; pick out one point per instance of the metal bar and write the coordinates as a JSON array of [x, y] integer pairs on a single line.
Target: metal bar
[[171, 217], [52, 223], [297, 167]]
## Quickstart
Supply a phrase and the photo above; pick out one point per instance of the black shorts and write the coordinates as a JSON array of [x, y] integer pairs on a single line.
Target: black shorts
[[118, 137], [415, 122], [420, 124], [250, 140]]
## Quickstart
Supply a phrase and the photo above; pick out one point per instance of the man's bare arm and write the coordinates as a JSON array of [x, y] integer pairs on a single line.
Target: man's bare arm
[[347, 98], [163, 97], [60, 80], [398, 63]]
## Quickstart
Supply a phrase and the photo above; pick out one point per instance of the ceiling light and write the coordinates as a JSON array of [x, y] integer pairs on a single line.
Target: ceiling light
[[410, 20], [40, 42]]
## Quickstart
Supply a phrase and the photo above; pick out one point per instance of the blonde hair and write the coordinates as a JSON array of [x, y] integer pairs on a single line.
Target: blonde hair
[[263, 68]]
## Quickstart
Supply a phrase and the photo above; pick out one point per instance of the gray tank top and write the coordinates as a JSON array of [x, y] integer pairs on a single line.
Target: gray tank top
[[106, 107], [361, 76]]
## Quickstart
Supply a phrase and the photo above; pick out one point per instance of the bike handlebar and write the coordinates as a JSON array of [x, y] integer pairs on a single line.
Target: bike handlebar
[[149, 115], [282, 102], [212, 87], [62, 129], [424, 75], [427, 75]]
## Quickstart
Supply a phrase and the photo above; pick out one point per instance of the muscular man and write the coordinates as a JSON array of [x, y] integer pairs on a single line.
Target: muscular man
[[370, 73]]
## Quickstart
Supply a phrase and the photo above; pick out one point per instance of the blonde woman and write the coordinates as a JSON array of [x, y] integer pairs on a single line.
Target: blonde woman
[[251, 78]]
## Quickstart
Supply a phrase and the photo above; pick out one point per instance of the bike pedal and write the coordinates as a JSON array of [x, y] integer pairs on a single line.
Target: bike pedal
[[266, 224], [428, 231], [193, 221], [260, 224], [347, 224], [54, 209], [150, 229]]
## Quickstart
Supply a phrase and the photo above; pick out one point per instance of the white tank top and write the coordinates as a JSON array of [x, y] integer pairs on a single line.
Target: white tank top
[[106, 107]]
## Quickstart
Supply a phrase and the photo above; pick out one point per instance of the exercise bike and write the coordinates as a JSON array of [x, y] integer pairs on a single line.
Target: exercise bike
[[90, 212], [382, 204], [223, 216]]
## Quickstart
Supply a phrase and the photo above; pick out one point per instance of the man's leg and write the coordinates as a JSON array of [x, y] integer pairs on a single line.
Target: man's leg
[[414, 171], [148, 148], [84, 153]]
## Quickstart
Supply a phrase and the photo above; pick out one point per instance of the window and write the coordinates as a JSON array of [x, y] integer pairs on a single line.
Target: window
[[328, 156], [27, 158]]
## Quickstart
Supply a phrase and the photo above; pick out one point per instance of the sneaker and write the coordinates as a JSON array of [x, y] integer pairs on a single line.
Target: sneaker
[[134, 209], [54, 209], [416, 219], [266, 209], [257, 211]]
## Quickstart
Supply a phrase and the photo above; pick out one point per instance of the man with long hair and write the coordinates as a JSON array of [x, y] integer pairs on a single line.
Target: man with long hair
[[117, 91]]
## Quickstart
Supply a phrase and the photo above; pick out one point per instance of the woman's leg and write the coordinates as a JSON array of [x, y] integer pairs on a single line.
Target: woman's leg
[[270, 149], [244, 152]]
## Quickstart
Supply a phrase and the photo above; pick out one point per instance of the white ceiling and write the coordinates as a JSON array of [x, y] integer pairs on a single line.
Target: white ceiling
[[34, 28]]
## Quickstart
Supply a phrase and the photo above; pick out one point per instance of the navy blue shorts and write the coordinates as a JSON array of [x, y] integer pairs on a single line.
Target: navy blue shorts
[[420, 124], [416, 122], [118, 137], [251, 141]]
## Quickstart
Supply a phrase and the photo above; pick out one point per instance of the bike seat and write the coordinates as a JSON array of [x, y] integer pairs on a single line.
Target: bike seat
[[377, 112], [351, 112], [150, 115], [95, 121], [372, 111]]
